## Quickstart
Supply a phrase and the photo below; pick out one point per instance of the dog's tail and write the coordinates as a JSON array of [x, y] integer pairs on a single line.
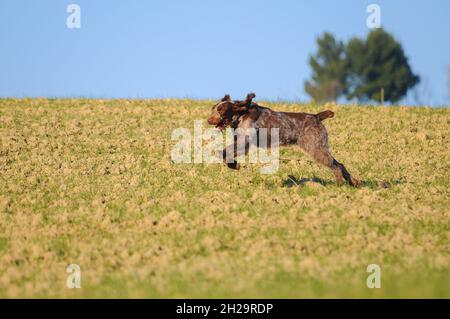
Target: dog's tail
[[325, 115]]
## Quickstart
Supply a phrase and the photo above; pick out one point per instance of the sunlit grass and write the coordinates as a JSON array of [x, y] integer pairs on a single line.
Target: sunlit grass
[[91, 182]]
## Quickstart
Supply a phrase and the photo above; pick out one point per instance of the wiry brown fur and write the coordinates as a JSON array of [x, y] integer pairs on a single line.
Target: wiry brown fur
[[305, 130]]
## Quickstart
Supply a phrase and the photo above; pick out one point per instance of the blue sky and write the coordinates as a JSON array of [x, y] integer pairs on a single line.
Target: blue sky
[[201, 48]]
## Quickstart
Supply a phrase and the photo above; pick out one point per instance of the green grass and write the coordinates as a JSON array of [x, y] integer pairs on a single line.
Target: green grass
[[91, 182]]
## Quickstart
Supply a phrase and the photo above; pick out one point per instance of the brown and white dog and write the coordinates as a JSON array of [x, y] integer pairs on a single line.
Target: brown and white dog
[[305, 130]]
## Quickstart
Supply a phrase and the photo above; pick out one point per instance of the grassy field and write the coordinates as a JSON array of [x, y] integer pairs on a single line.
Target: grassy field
[[91, 182]]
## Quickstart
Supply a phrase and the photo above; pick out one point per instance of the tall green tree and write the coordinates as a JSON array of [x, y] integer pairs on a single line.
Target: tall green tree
[[375, 65], [329, 70]]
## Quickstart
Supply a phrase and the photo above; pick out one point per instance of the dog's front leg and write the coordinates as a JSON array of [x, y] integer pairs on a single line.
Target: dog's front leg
[[239, 147]]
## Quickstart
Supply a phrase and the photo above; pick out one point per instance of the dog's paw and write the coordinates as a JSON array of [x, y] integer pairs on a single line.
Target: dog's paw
[[235, 165]]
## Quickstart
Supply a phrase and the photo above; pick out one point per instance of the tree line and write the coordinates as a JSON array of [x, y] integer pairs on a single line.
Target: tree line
[[371, 69]]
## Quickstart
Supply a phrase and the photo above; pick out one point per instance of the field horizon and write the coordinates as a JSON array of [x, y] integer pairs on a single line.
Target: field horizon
[[91, 182]]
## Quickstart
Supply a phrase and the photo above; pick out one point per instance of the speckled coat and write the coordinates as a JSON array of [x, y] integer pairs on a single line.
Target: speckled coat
[[305, 130]]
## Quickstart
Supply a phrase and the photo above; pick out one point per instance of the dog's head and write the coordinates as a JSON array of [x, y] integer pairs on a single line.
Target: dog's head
[[226, 111]]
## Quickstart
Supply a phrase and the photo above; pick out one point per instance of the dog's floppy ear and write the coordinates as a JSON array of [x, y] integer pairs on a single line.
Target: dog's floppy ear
[[249, 98], [244, 105], [226, 98]]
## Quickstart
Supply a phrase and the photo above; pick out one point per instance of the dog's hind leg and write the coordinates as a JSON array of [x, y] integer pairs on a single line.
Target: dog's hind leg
[[315, 143], [340, 170], [324, 157]]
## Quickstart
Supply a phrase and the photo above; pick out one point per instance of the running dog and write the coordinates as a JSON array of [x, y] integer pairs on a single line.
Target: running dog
[[305, 130]]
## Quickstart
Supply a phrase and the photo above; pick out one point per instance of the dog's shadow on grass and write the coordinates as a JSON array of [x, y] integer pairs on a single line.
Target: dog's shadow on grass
[[292, 181]]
